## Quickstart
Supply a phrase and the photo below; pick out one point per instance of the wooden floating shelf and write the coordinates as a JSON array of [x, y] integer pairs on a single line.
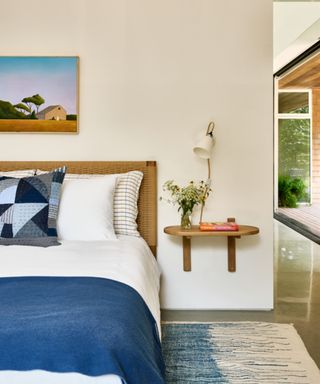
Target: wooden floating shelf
[[194, 231]]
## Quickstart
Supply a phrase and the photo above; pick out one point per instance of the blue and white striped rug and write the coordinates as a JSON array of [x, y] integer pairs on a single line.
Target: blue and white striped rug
[[236, 353]]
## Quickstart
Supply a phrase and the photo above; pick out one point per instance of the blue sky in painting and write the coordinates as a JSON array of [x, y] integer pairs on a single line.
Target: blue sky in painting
[[53, 78]]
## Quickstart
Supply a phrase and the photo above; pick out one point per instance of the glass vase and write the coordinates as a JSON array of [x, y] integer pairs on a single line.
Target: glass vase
[[186, 220]]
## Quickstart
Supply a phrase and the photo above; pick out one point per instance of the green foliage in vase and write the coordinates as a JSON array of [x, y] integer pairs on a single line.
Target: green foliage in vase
[[186, 197], [291, 191]]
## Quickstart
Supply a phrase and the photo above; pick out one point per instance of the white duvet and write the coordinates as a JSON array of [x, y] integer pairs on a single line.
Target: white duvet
[[127, 259]]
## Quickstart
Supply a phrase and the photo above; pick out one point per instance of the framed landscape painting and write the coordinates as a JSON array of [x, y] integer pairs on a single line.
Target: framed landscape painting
[[39, 94]]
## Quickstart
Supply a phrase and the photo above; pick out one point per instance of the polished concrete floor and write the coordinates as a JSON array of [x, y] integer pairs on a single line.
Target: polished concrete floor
[[297, 291]]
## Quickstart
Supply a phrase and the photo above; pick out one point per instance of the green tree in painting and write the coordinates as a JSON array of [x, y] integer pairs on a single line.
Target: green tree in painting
[[35, 100], [28, 101], [27, 109], [22, 108], [8, 111], [33, 116], [72, 117]]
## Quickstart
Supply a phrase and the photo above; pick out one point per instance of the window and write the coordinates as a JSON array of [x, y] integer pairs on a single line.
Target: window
[[293, 131]]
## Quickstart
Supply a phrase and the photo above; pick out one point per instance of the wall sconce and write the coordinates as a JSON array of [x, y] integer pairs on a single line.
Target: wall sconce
[[203, 149]]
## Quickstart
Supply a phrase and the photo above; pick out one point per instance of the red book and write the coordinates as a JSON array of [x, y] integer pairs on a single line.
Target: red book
[[227, 226]]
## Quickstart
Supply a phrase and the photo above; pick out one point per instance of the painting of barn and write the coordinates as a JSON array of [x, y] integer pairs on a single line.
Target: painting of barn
[[39, 94]]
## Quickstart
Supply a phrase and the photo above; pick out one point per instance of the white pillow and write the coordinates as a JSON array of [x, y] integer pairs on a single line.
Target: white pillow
[[86, 209], [19, 173], [126, 195]]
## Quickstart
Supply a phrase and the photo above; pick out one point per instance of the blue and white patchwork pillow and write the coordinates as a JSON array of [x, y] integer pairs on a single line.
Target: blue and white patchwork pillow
[[29, 209]]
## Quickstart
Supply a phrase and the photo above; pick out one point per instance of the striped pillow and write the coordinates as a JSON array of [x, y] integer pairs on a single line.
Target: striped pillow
[[126, 195], [125, 210]]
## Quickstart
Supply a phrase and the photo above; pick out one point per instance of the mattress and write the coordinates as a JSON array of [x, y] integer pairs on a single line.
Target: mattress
[[127, 260]]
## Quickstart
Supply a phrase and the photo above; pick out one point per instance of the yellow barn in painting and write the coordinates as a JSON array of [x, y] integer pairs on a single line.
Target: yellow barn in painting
[[53, 112]]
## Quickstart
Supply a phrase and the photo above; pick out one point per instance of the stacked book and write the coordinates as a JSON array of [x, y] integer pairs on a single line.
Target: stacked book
[[227, 226]]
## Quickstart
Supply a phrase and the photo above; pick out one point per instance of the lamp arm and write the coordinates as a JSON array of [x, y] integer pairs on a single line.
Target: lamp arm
[[210, 129], [208, 183], [209, 132]]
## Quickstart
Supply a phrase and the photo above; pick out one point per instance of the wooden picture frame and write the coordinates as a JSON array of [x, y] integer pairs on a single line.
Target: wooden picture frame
[[39, 94]]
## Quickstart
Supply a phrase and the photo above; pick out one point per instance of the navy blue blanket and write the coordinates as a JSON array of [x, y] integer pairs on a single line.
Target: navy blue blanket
[[88, 325]]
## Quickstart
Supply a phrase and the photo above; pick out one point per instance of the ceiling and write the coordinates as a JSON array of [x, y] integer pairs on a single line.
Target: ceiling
[[296, 27], [290, 101], [306, 75]]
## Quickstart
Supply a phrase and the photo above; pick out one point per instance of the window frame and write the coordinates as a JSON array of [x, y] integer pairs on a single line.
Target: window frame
[[288, 116]]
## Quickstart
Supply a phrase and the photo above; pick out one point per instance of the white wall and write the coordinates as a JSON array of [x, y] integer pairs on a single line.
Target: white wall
[[153, 74]]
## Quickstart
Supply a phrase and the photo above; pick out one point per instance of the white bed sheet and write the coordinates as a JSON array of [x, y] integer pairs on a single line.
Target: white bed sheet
[[127, 259]]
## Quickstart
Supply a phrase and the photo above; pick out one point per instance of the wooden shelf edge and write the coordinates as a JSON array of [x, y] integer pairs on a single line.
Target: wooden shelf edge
[[244, 230], [187, 234]]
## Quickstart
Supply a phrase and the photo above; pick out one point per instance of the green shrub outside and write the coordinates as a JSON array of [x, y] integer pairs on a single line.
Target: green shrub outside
[[290, 191]]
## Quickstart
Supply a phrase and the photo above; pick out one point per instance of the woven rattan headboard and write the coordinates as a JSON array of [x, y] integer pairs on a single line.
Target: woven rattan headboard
[[147, 218]]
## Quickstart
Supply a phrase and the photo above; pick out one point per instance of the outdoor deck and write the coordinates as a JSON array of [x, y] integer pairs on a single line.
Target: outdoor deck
[[304, 219]]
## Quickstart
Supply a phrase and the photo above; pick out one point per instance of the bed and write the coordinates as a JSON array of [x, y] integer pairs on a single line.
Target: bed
[[84, 311]]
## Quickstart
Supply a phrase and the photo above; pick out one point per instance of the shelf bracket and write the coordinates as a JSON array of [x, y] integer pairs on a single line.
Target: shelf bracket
[[186, 253], [232, 253]]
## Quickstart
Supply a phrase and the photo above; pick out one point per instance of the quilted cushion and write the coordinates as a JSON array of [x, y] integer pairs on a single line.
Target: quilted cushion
[[29, 208]]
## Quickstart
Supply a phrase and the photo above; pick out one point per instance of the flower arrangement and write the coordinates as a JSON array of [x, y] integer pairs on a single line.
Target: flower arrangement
[[186, 198]]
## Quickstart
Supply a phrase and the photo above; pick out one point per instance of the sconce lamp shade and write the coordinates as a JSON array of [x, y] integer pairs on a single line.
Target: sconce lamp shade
[[204, 147]]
